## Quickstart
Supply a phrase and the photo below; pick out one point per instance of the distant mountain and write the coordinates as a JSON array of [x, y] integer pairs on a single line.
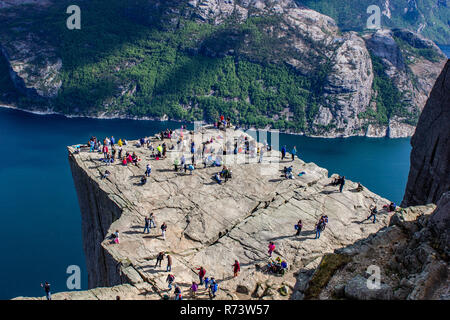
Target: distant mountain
[[430, 18], [263, 63]]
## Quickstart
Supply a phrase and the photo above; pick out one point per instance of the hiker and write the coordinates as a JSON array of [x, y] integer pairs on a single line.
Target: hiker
[[319, 228], [105, 151], [201, 274], [177, 292], [299, 227], [213, 288], [135, 159], [341, 184], [143, 180], [236, 268], [271, 248], [373, 213], [191, 168], [169, 263], [170, 278], [283, 152], [175, 164], [294, 152], [206, 283], [159, 258], [163, 230], [47, 290], [116, 237], [112, 141], [152, 220], [194, 288], [146, 227], [148, 170]]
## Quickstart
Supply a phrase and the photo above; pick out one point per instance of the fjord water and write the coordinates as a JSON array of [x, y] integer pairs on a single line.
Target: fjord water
[[41, 222]]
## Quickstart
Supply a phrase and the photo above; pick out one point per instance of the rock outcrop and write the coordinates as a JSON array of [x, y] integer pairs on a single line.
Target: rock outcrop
[[209, 224], [429, 175]]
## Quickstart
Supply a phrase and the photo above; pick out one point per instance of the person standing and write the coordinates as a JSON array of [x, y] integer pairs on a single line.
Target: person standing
[[206, 283], [146, 227], [341, 184], [159, 259], [236, 268], [319, 229], [47, 290], [163, 230], [201, 274], [283, 152], [116, 237], [213, 288], [148, 170], [299, 227], [271, 248], [294, 152], [194, 288], [152, 220], [169, 263]]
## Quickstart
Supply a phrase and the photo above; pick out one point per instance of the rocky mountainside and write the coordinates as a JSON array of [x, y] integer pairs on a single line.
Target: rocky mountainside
[[263, 63], [429, 18], [429, 175], [412, 254]]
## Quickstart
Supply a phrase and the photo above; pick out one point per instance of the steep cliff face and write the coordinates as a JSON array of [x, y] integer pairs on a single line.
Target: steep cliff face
[[429, 175]]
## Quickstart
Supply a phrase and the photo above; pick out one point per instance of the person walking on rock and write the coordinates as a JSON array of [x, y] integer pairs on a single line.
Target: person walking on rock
[[201, 274], [170, 278], [319, 228], [169, 263], [373, 213], [163, 230], [146, 227], [271, 248], [236, 268], [148, 170], [47, 290], [159, 259]]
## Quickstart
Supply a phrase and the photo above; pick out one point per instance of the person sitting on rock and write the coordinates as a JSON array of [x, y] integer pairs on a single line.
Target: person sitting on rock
[[105, 175], [143, 180], [217, 178], [359, 188]]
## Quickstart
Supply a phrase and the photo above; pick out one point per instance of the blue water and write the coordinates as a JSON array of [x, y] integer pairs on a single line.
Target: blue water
[[445, 49], [41, 224]]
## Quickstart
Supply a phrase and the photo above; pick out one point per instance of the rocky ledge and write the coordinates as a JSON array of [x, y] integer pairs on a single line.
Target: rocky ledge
[[211, 224]]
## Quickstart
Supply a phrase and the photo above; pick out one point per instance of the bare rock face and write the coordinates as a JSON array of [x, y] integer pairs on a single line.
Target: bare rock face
[[209, 224], [411, 265], [429, 175]]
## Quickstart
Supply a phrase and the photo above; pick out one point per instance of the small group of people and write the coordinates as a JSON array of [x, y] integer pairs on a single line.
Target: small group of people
[[339, 181], [284, 151], [225, 174], [223, 123], [160, 258], [277, 266]]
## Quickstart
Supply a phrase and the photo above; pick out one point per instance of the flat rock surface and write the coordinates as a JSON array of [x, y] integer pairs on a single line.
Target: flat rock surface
[[211, 225]]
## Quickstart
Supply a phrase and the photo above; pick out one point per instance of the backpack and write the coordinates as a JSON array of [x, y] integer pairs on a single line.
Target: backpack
[[296, 227]]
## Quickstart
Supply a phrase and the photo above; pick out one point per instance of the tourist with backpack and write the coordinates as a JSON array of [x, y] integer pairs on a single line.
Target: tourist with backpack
[[213, 288], [170, 278]]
